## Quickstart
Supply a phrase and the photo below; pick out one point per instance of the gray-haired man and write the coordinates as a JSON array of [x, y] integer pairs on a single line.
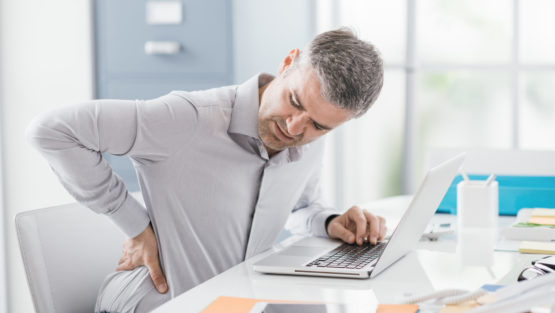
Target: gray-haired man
[[221, 171]]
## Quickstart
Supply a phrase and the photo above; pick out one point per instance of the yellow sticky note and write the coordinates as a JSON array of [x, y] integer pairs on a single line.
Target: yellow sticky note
[[542, 220], [538, 247], [458, 308], [543, 212]]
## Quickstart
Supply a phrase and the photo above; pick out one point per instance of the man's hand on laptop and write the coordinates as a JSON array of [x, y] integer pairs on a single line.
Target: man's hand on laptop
[[143, 250], [357, 224]]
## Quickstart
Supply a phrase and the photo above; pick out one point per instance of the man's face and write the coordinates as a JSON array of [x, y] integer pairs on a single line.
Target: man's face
[[293, 111]]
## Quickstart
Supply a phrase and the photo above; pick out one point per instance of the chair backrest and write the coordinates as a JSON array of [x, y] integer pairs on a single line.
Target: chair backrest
[[67, 251]]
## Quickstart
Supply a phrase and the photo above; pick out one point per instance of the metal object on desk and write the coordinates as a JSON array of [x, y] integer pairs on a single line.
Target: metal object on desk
[[539, 267], [434, 231]]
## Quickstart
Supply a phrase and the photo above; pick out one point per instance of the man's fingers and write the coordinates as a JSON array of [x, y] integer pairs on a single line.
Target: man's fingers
[[143, 250], [125, 266], [338, 231], [383, 228], [358, 217], [157, 276], [374, 229], [383, 231]]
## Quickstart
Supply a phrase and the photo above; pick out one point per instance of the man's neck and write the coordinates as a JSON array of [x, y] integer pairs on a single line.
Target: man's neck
[[271, 152], [261, 90]]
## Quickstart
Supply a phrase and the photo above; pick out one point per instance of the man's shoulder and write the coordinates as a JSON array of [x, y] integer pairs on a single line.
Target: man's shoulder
[[222, 97]]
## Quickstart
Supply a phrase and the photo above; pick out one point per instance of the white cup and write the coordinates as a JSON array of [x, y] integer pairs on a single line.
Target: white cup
[[477, 204]]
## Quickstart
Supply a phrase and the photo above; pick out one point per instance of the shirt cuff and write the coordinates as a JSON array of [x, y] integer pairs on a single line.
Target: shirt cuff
[[318, 227], [131, 217]]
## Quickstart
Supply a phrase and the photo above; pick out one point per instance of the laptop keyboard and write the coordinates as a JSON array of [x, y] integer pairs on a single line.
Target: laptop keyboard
[[349, 256]]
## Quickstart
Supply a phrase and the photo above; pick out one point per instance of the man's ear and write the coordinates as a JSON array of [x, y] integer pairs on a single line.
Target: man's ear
[[288, 60]]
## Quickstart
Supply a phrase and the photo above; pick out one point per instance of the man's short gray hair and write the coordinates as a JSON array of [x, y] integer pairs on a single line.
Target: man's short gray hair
[[350, 70]]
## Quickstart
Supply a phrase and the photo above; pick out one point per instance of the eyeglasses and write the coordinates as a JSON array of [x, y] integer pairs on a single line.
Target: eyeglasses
[[539, 267]]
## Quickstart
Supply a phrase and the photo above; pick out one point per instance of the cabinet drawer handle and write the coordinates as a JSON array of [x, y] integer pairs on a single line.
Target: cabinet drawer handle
[[162, 47]]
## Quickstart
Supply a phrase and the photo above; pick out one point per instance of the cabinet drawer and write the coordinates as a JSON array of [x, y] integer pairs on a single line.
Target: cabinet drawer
[[204, 36], [151, 88]]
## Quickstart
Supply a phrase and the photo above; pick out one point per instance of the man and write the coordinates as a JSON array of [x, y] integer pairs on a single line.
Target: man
[[220, 170]]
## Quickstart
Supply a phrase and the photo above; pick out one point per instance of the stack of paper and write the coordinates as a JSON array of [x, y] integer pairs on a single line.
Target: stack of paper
[[544, 217], [539, 247], [532, 225]]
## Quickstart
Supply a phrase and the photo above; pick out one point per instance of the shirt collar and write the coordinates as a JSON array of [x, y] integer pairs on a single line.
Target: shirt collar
[[244, 116]]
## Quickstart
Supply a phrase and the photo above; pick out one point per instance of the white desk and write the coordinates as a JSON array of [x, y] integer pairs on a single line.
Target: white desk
[[432, 266]]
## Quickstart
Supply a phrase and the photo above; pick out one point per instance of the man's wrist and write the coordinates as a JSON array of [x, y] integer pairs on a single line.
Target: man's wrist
[[328, 220]]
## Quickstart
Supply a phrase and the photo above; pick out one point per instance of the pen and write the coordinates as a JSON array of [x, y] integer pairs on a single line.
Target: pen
[[465, 177], [490, 179]]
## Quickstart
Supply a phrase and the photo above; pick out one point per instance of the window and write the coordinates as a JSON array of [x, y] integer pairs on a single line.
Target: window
[[458, 74]]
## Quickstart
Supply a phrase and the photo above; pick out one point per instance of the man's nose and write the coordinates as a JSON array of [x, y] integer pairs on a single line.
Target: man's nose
[[296, 123]]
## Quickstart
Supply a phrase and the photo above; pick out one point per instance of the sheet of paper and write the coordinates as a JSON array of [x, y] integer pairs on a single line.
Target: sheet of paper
[[543, 212]]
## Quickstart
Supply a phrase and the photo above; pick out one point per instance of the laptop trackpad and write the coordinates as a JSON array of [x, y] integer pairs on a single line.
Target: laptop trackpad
[[303, 251]]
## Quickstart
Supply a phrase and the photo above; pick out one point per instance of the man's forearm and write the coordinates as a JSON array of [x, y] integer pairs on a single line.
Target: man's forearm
[[328, 220], [71, 140]]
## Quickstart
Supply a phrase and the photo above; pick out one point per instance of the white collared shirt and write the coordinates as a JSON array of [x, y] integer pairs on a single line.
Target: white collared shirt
[[213, 196]]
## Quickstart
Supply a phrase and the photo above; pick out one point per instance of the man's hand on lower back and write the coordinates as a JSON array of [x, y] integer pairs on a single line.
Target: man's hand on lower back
[[143, 250], [357, 226]]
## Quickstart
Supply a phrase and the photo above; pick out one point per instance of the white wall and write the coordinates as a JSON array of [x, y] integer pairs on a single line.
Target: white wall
[[3, 224], [46, 60], [265, 31]]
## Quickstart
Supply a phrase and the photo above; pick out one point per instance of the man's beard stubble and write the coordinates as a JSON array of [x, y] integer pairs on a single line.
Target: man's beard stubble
[[270, 139]]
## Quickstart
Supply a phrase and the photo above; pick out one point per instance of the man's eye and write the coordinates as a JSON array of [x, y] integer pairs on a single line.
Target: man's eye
[[318, 127], [293, 103]]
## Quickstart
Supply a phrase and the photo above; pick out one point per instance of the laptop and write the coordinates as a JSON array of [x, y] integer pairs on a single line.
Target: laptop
[[314, 256]]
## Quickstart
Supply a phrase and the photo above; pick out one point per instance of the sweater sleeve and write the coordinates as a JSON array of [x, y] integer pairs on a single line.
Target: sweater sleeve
[[73, 138]]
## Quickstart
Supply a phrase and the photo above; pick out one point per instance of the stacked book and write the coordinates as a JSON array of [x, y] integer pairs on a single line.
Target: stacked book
[[536, 228]]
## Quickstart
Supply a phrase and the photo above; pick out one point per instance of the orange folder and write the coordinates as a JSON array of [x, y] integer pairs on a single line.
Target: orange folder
[[244, 305]]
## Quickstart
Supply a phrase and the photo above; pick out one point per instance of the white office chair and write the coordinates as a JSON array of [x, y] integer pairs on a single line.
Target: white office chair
[[67, 251]]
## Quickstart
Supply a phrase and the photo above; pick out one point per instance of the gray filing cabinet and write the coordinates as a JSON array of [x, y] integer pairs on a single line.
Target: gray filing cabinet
[[145, 49]]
